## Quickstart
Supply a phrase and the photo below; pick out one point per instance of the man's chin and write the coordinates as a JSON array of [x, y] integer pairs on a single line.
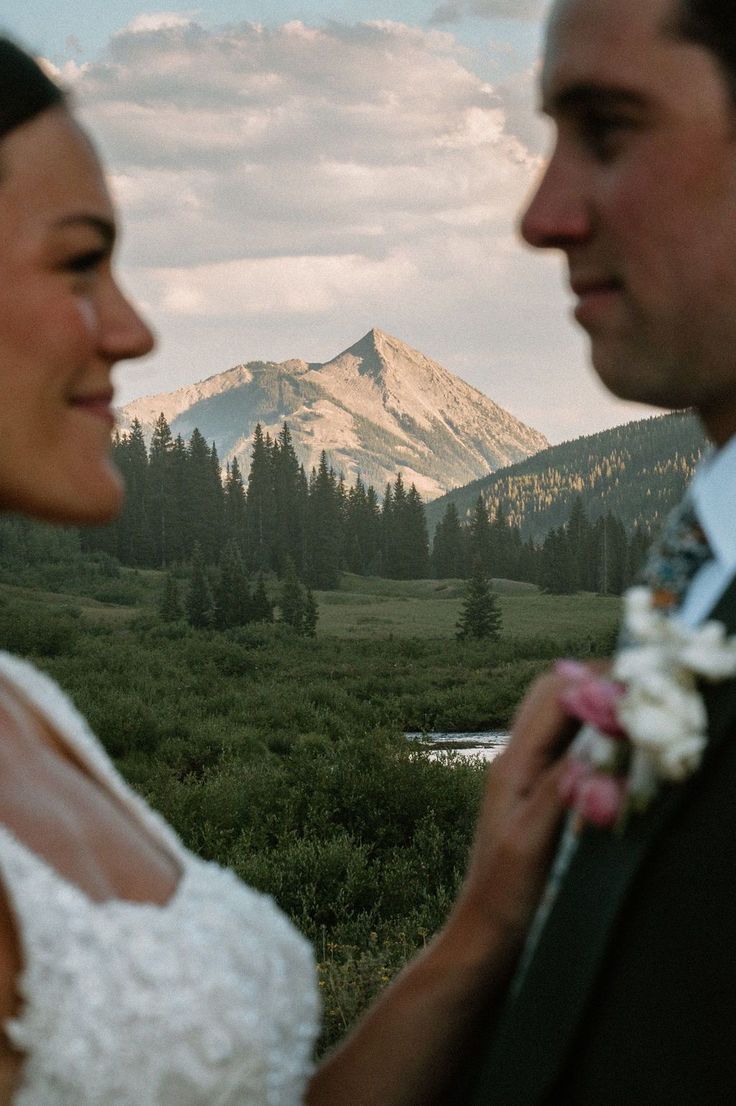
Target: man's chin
[[631, 377]]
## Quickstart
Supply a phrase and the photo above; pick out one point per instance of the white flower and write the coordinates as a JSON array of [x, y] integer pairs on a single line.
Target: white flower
[[709, 653], [657, 720], [662, 711], [680, 759], [633, 663], [593, 747], [642, 620]]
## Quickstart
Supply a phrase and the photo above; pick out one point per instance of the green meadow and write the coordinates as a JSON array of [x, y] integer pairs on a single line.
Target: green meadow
[[368, 607], [284, 757]]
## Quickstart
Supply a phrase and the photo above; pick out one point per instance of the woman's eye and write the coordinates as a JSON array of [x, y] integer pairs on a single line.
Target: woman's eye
[[85, 263]]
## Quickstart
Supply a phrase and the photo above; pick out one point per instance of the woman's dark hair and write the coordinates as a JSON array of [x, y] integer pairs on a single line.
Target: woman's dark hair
[[712, 24], [25, 90]]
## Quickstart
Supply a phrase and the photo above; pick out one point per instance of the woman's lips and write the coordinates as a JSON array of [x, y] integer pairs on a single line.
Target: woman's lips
[[98, 405]]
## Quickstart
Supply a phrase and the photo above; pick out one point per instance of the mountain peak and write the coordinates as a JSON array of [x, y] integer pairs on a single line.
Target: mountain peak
[[378, 407], [373, 344]]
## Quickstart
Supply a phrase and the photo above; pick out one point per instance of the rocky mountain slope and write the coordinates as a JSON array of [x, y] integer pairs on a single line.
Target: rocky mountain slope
[[378, 408]]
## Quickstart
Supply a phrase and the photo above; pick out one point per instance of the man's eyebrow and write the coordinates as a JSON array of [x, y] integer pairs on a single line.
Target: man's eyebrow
[[586, 96], [104, 227]]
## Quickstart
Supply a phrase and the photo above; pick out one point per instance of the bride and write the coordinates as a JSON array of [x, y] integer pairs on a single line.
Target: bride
[[131, 971]]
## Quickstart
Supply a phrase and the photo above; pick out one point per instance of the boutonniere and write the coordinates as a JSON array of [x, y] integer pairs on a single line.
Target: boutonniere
[[645, 725]]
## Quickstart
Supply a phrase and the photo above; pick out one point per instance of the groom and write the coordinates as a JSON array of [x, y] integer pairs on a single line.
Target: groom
[[630, 994]]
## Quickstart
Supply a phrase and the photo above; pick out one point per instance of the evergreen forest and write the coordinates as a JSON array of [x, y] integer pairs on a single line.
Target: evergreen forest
[[184, 514]]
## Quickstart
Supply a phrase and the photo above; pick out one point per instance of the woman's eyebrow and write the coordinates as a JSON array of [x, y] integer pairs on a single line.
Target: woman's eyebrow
[[105, 227]]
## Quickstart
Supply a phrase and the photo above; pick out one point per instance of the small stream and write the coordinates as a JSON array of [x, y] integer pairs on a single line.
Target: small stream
[[485, 746]]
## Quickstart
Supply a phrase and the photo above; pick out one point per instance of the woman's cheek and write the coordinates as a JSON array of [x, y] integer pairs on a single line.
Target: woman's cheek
[[87, 314]]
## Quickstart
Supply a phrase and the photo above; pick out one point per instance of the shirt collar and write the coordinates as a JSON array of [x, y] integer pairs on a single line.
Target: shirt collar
[[713, 493]]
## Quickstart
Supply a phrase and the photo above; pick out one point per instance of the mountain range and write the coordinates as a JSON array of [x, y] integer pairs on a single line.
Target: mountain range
[[378, 408]]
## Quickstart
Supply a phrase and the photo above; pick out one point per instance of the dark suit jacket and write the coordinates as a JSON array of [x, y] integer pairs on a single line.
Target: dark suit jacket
[[631, 995]]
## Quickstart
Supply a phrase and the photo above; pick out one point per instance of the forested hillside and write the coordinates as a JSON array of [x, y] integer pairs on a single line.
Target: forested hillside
[[636, 472]]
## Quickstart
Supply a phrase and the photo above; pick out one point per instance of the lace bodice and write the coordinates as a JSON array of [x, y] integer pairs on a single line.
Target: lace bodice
[[209, 1000]]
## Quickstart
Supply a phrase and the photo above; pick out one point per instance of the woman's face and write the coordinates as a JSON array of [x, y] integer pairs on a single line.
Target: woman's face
[[63, 324]]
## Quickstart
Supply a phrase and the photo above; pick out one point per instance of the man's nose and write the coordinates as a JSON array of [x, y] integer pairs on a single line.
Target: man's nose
[[558, 214]]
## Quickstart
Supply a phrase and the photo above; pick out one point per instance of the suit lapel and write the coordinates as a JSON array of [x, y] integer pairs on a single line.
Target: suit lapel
[[537, 1027]]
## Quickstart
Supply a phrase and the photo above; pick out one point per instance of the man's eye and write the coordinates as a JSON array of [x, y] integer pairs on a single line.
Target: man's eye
[[604, 133]]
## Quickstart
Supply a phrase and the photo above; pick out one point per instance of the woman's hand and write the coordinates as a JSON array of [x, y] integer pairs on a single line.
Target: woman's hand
[[518, 824]]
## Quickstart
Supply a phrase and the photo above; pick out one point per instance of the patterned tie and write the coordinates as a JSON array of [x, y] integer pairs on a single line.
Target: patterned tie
[[681, 549]]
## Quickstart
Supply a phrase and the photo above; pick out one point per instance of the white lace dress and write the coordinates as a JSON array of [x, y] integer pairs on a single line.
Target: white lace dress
[[210, 1000]]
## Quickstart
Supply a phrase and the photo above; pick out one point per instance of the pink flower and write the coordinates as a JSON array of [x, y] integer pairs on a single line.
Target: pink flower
[[591, 698], [575, 771], [600, 799]]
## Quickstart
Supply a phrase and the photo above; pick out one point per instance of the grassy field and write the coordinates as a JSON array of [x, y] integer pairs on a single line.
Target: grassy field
[[368, 607]]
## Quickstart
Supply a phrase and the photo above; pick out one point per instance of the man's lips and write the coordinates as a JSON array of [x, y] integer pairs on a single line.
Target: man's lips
[[595, 295], [590, 286]]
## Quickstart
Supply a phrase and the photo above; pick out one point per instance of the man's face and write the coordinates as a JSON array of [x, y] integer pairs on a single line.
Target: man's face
[[640, 194]]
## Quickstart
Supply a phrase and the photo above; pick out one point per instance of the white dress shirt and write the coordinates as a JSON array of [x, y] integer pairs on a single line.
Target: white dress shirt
[[713, 492]]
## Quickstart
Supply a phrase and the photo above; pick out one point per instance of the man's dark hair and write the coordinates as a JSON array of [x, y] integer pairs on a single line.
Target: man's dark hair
[[25, 90], [712, 24]]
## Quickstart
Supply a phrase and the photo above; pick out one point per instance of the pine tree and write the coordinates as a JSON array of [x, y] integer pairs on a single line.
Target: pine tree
[[355, 553], [480, 615], [135, 546], [170, 607], [234, 506], [479, 536], [160, 492], [415, 537], [612, 554], [556, 568], [311, 615], [448, 549], [259, 505], [582, 558], [396, 565], [386, 557], [261, 605], [324, 528], [292, 599], [204, 491], [638, 549], [288, 504], [371, 533], [233, 604], [216, 505], [178, 537], [200, 603]]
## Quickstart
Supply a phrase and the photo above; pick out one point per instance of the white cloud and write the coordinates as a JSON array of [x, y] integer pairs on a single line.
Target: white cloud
[[157, 21], [451, 11], [271, 286], [252, 142], [284, 189]]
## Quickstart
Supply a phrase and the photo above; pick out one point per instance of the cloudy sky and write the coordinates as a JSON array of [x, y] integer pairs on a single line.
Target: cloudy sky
[[291, 173]]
